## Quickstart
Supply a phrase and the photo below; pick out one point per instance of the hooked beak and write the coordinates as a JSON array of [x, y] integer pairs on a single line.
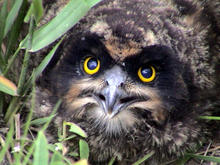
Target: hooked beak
[[112, 97]]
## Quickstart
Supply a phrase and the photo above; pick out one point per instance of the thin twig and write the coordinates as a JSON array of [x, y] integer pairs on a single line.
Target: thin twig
[[206, 152], [17, 130], [210, 150]]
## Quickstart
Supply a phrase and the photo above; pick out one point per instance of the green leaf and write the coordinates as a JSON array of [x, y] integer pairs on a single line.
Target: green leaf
[[83, 149], [81, 162], [7, 86], [41, 154], [56, 159], [55, 28], [209, 158], [12, 16], [76, 129], [36, 9]]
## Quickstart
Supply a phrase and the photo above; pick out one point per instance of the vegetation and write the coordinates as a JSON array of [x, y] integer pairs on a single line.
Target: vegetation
[[18, 144]]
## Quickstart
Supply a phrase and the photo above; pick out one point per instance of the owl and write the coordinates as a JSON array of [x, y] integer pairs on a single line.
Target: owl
[[135, 75]]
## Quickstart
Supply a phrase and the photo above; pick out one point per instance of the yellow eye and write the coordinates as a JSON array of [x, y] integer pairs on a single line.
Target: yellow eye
[[147, 74], [91, 65]]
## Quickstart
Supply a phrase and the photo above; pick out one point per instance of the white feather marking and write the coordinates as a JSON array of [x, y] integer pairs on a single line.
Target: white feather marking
[[112, 125]]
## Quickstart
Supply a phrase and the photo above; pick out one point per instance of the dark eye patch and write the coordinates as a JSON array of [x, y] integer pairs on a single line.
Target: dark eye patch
[[160, 57], [78, 50]]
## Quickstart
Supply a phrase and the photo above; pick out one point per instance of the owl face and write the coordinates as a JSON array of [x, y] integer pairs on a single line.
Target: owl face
[[127, 81], [114, 98], [113, 92]]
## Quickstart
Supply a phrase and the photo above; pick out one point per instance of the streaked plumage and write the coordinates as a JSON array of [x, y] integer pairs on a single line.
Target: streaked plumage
[[121, 114]]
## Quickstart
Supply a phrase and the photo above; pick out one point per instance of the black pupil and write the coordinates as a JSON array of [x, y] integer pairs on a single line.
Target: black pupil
[[92, 63], [146, 72]]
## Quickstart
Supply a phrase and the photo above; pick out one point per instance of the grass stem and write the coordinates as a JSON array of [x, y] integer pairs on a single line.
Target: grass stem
[[144, 158]]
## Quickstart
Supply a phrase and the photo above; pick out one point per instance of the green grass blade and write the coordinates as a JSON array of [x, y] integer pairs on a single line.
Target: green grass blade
[[11, 61], [91, 3], [68, 138], [24, 69], [9, 140], [7, 86], [2, 102], [68, 17], [56, 107], [12, 16], [210, 117], [38, 9], [144, 158], [29, 13], [29, 116], [46, 60], [111, 162], [13, 35], [25, 64], [83, 149], [3, 15], [41, 154], [28, 155], [183, 160], [40, 121], [208, 158], [12, 109], [41, 67]]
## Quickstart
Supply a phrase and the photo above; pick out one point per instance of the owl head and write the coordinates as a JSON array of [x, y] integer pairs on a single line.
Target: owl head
[[130, 74]]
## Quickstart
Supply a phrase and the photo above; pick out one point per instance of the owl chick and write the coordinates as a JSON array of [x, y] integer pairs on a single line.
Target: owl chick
[[135, 75]]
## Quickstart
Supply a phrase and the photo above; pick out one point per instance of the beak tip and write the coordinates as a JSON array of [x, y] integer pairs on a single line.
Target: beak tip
[[111, 114]]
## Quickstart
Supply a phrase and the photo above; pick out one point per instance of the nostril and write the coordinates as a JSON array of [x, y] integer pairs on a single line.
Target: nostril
[[126, 99], [122, 84], [102, 97]]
